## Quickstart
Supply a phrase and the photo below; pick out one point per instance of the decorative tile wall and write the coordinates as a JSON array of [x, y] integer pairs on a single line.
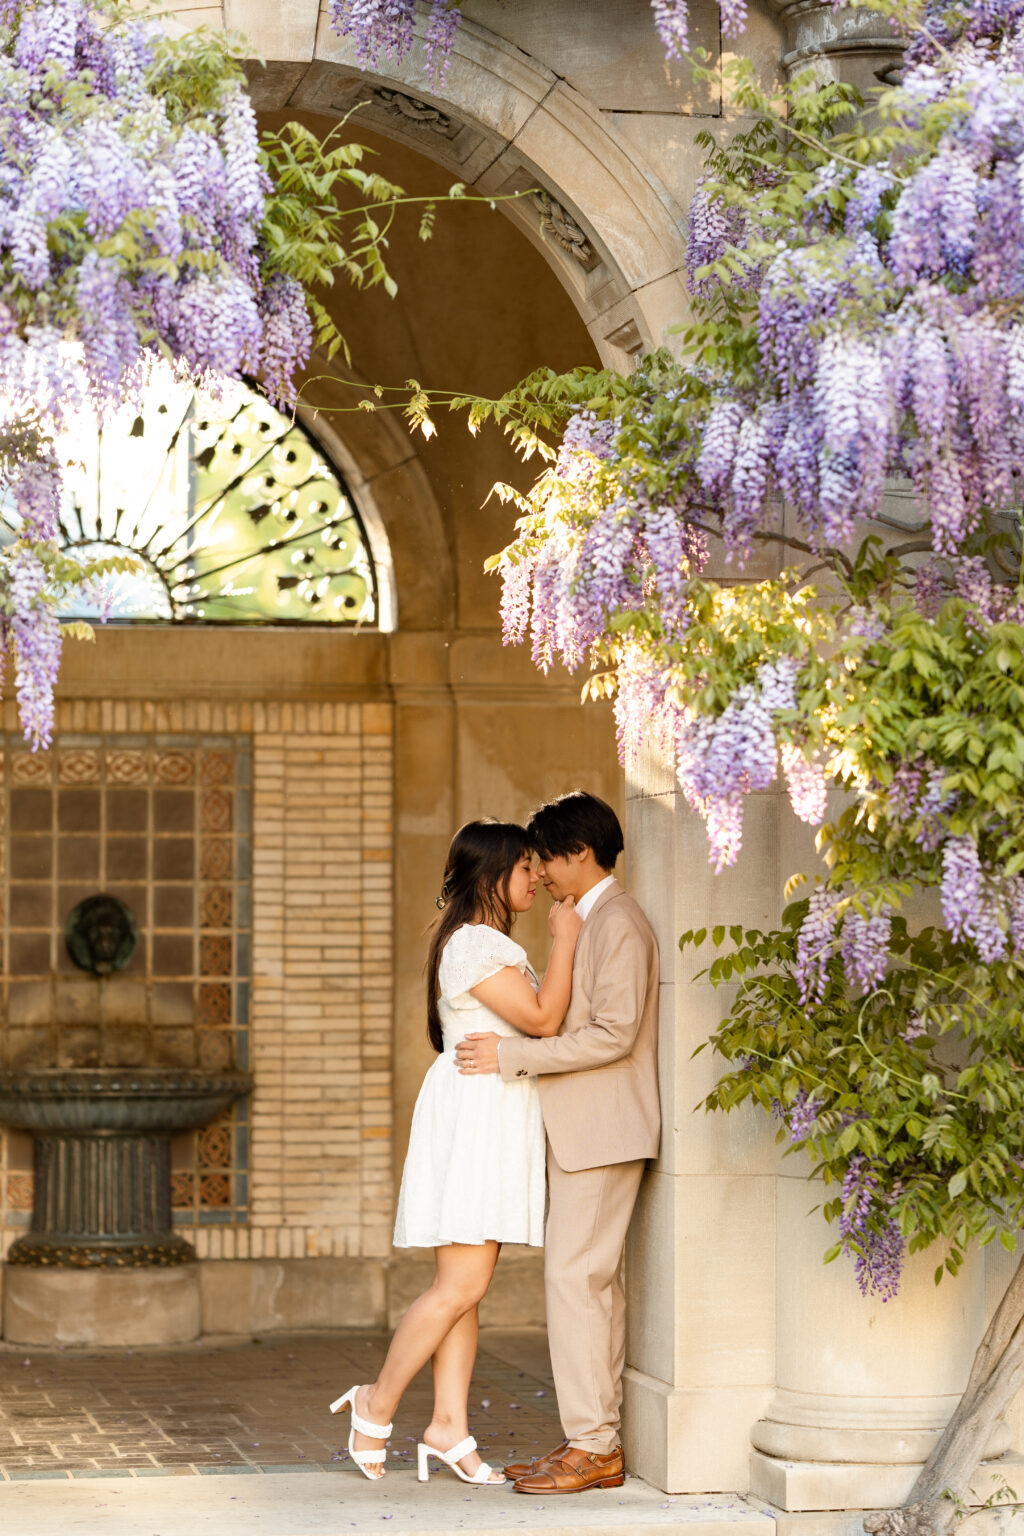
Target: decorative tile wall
[[163, 822]]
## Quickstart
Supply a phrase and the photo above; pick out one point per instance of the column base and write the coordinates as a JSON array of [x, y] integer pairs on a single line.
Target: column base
[[795, 1486], [97, 1307], [688, 1439], [162, 1248], [850, 1522]]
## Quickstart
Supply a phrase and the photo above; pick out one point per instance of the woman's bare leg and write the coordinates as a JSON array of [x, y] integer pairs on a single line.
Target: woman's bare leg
[[463, 1274], [453, 1368]]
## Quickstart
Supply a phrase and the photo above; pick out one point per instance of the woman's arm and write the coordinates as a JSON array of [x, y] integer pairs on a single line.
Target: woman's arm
[[512, 998]]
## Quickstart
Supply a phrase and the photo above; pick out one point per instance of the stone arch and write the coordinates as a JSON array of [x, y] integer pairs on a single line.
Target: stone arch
[[605, 222], [399, 510]]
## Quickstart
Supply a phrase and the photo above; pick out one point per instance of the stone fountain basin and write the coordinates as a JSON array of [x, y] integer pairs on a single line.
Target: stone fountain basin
[[134, 1100]]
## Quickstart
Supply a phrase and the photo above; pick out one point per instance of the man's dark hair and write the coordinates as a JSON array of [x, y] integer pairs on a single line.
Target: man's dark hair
[[573, 822]]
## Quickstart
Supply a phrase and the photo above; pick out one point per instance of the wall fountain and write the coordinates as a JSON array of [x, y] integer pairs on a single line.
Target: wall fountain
[[101, 1217]]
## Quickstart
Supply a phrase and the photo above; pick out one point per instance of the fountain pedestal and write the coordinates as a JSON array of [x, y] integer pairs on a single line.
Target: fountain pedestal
[[100, 1263]]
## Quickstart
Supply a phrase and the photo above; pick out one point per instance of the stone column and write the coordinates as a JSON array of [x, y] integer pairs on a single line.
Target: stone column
[[846, 44], [701, 1258], [739, 1335], [864, 1386]]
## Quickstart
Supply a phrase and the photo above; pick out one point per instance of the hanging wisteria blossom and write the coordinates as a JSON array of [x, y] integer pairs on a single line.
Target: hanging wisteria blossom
[[878, 339], [133, 208], [384, 30]]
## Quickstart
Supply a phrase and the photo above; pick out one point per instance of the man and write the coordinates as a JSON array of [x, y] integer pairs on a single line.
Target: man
[[598, 1082]]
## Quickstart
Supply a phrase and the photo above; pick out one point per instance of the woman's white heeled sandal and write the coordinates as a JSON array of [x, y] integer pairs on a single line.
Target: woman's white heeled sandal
[[361, 1426], [481, 1477]]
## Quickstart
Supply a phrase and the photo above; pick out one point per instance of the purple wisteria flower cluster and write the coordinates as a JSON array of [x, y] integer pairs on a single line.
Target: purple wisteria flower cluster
[[613, 547], [863, 945], [385, 29], [722, 758], [130, 231], [801, 1116], [35, 630], [980, 904], [882, 338], [894, 345], [600, 560], [874, 1239]]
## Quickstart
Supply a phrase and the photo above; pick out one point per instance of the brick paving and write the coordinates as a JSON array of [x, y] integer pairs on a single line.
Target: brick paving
[[244, 1407]]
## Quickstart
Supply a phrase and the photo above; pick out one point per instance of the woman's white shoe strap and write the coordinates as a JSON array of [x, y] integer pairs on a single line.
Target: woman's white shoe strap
[[367, 1458], [372, 1431], [462, 1449]]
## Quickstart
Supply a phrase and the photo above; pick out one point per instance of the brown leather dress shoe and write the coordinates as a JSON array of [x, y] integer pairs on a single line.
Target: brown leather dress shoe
[[575, 1470], [517, 1469]]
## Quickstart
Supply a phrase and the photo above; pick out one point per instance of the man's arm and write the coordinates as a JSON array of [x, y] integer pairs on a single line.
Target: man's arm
[[616, 1008]]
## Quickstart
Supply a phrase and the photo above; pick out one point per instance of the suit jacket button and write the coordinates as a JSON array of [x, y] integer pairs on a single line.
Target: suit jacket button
[[522, 1072]]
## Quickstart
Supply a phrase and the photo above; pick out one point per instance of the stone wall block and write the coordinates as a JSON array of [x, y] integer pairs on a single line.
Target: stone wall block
[[686, 1441], [278, 1295], [57, 1308], [718, 1295], [695, 1140], [283, 31], [616, 59]]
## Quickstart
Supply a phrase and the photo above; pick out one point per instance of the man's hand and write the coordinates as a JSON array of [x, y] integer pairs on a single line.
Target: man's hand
[[477, 1054]]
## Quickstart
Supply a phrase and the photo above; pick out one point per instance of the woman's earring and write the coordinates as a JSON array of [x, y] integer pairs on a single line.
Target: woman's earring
[[440, 903]]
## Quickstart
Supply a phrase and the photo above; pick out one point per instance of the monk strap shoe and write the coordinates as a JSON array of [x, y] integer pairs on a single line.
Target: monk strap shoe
[[517, 1469], [573, 1471]]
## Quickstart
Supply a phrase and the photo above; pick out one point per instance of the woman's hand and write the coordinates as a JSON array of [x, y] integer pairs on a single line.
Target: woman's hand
[[510, 995], [564, 922]]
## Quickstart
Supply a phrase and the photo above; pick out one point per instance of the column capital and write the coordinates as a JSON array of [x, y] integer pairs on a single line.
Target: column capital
[[855, 43]]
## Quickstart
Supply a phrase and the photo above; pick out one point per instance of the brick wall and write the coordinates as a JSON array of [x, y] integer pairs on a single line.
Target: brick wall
[[321, 1166]]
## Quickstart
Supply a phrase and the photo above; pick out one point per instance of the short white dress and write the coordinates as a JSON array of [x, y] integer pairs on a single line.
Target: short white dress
[[474, 1171]]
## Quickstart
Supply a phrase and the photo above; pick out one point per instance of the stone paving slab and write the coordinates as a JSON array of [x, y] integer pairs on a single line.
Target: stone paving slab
[[200, 1409], [229, 1438], [327, 1504]]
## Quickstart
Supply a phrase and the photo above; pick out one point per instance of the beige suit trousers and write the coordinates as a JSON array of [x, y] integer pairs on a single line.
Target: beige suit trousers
[[588, 1215]]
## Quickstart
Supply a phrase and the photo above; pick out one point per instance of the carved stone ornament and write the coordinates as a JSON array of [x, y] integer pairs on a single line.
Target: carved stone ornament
[[557, 222], [101, 935], [419, 114]]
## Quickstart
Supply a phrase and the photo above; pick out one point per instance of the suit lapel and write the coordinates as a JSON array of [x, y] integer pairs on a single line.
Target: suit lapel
[[615, 889]]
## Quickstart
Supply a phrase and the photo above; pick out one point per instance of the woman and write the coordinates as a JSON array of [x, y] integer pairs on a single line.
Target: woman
[[474, 1173]]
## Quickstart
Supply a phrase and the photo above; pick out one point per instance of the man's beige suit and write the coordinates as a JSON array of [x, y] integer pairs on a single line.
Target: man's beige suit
[[598, 1081]]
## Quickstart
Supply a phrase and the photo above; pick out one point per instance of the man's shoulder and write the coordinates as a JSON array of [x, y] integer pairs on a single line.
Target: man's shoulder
[[621, 910]]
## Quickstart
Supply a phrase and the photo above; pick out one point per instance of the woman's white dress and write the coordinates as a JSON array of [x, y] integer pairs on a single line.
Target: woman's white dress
[[475, 1166]]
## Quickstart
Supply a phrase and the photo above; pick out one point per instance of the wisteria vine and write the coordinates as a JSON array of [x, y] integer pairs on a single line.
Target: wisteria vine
[[144, 223], [851, 396], [130, 232], [874, 336]]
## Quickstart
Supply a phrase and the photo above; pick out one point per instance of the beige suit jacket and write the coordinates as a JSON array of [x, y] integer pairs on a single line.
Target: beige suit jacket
[[598, 1077]]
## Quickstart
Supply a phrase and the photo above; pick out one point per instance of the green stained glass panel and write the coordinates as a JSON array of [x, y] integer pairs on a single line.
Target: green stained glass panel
[[233, 512]]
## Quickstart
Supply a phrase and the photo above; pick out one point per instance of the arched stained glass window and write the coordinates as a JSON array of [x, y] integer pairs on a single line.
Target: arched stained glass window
[[232, 510]]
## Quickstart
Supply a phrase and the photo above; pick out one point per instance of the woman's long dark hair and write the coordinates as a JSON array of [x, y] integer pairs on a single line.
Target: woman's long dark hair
[[480, 862]]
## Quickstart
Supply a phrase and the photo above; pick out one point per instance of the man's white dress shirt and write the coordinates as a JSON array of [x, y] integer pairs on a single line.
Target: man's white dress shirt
[[587, 901]]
